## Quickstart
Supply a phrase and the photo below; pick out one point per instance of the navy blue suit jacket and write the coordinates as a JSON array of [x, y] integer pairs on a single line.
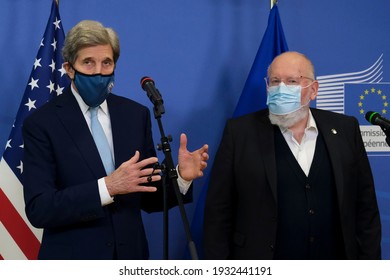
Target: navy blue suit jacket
[[61, 169]]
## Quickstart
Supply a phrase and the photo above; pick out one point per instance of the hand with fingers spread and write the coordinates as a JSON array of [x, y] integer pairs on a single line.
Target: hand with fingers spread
[[191, 164], [132, 176]]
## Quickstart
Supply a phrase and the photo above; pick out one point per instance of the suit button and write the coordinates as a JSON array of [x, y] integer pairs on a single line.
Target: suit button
[[311, 212], [108, 243], [271, 247], [307, 186]]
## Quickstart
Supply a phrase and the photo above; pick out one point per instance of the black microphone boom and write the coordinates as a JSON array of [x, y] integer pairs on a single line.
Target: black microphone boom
[[154, 95], [376, 119]]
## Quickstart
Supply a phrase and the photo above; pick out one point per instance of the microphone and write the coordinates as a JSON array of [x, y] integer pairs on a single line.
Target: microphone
[[376, 119], [154, 95]]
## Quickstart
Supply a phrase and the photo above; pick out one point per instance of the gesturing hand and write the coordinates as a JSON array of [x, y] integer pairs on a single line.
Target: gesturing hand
[[131, 174], [191, 164]]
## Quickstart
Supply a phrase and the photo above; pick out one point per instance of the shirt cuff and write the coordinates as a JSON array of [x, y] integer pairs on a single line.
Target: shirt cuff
[[105, 197], [184, 185]]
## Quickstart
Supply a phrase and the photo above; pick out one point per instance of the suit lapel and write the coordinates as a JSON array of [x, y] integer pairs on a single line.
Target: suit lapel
[[120, 133], [330, 133], [266, 137], [73, 120]]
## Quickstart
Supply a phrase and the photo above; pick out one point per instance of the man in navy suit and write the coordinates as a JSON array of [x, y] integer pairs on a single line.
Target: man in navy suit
[[292, 182], [87, 211]]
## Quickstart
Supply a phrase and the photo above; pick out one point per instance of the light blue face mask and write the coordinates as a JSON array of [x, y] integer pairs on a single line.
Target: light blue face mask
[[93, 89], [283, 100]]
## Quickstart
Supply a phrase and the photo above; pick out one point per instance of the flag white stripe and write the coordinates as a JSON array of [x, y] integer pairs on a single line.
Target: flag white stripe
[[13, 189], [332, 96], [337, 109], [330, 103], [332, 92], [332, 87], [9, 250]]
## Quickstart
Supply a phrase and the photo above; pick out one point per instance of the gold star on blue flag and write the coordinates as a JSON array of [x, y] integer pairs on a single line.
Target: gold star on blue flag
[[362, 98]]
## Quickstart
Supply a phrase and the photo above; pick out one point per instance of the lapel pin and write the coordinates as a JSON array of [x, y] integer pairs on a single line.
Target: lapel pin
[[334, 131]]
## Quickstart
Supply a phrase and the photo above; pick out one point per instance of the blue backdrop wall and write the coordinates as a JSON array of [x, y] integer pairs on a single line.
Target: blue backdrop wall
[[199, 53]]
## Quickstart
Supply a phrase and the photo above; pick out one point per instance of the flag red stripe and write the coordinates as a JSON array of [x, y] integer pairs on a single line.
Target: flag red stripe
[[18, 228]]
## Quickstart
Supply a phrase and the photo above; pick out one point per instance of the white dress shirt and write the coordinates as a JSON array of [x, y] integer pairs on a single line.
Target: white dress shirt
[[303, 152], [105, 121]]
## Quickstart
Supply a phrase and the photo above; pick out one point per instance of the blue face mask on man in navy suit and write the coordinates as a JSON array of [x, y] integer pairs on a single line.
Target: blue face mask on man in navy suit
[[94, 89]]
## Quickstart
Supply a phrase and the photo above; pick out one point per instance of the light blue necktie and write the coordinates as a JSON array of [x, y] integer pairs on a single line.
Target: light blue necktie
[[101, 141]]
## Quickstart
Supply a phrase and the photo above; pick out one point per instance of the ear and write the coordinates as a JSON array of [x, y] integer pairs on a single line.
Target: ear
[[69, 70], [314, 90]]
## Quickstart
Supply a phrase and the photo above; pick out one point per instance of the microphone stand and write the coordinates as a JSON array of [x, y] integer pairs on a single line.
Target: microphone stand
[[387, 133], [170, 170]]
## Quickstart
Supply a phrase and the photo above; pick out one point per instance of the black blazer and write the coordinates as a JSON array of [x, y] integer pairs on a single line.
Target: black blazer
[[240, 219], [61, 169]]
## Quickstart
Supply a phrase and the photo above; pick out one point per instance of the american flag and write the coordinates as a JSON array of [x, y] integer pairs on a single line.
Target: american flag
[[18, 239]]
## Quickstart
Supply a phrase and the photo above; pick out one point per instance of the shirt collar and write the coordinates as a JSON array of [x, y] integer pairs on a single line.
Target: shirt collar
[[84, 107], [311, 125]]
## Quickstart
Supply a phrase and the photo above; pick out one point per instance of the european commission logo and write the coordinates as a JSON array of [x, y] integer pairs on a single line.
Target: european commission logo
[[355, 94], [362, 98]]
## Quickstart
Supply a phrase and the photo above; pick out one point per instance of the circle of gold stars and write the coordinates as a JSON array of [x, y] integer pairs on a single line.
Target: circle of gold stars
[[379, 93]]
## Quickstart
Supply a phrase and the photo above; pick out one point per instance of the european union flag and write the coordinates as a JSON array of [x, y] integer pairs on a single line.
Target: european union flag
[[364, 97], [254, 95]]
